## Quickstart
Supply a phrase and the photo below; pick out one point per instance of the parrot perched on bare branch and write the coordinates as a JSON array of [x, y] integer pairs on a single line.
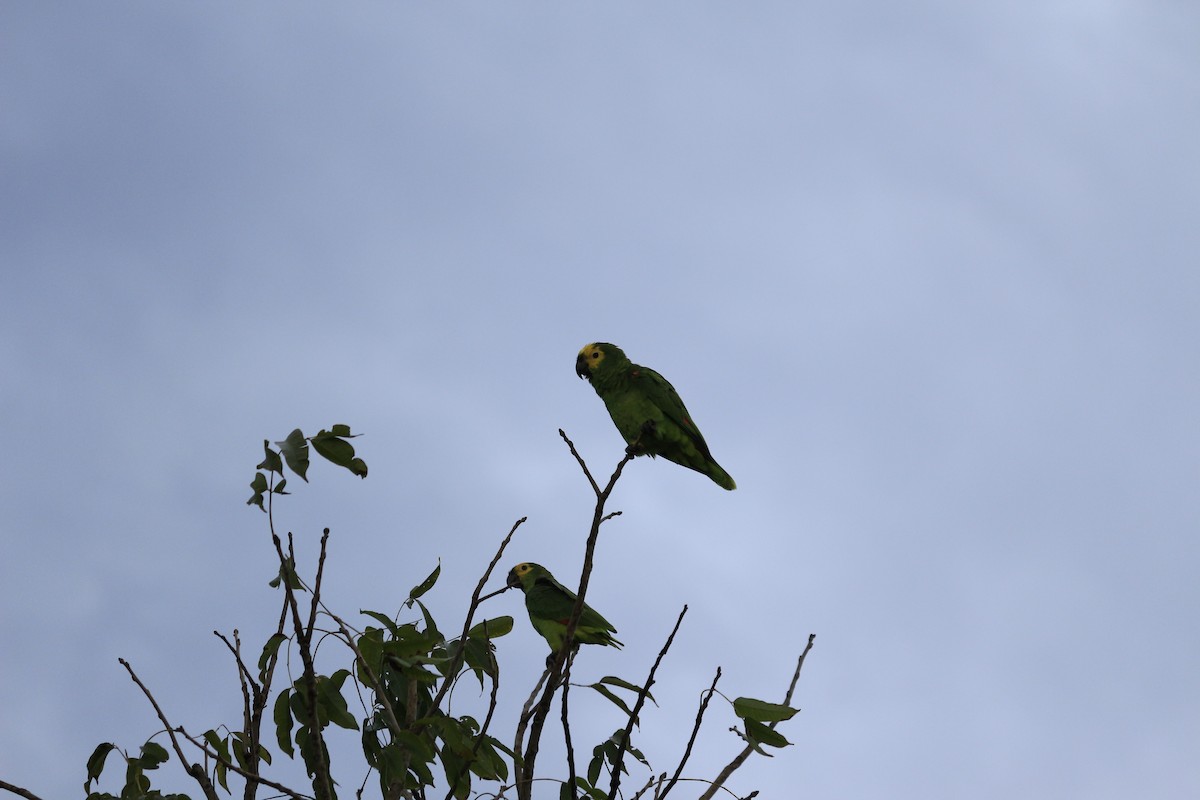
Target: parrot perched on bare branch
[[647, 411], [550, 604]]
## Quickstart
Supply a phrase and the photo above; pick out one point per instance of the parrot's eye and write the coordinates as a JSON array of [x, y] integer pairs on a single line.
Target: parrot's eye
[[595, 354]]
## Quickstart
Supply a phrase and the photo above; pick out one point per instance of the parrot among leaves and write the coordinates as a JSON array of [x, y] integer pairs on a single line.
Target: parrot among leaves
[[550, 604], [647, 411]]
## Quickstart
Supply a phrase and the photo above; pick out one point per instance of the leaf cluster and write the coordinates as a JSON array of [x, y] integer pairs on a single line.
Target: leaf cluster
[[332, 445], [403, 669]]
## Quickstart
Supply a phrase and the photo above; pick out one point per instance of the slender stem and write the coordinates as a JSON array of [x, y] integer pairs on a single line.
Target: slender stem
[[322, 781], [524, 782], [687, 753], [462, 640], [741, 757], [18, 790], [566, 690], [316, 590], [279, 787], [637, 708], [192, 769]]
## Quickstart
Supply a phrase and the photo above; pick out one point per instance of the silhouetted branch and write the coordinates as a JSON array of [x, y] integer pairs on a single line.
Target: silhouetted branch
[[462, 640], [195, 770], [28, 795], [566, 690], [741, 757], [232, 767], [637, 707], [322, 780], [526, 764], [687, 753]]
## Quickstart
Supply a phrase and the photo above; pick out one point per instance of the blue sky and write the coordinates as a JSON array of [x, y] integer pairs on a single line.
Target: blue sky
[[925, 277]]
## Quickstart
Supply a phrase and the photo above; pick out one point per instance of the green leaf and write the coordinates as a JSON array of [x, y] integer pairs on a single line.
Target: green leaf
[[271, 462], [259, 487], [330, 445], [566, 792], [333, 703], [425, 585], [136, 784], [333, 448], [760, 733], [618, 702], [491, 628], [488, 764], [596, 764], [152, 755], [221, 747], [481, 659], [295, 452], [279, 487], [95, 763], [283, 722], [288, 569], [612, 680], [761, 711], [383, 619], [269, 652]]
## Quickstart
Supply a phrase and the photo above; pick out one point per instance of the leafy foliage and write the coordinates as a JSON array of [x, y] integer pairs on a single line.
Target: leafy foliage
[[333, 445], [403, 669]]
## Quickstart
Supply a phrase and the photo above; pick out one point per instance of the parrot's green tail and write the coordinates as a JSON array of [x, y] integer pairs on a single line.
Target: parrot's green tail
[[720, 476]]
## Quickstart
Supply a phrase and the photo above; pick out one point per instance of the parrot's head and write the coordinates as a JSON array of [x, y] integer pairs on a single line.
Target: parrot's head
[[524, 575], [592, 356]]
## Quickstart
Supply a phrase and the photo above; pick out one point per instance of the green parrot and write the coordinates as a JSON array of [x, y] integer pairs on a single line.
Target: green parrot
[[550, 604], [647, 410]]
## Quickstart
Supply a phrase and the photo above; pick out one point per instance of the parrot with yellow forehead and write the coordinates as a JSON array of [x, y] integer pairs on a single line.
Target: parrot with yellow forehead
[[550, 604], [647, 411]]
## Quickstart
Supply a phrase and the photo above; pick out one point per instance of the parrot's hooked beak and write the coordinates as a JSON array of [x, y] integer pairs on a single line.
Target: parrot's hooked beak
[[512, 579], [581, 367]]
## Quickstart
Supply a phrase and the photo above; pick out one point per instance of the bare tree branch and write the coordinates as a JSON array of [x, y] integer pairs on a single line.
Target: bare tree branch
[[566, 690], [637, 707], [279, 787], [526, 771], [462, 640], [195, 770], [28, 795], [322, 780], [687, 753]]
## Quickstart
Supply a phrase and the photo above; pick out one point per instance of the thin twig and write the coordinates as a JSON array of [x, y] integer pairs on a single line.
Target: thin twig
[[649, 782], [18, 790], [523, 720], [598, 517], [389, 714], [582, 464], [262, 696], [623, 746], [553, 681], [487, 721], [245, 679], [321, 776], [251, 696], [566, 690], [195, 770], [741, 757], [524, 784], [687, 753], [279, 787], [457, 661], [316, 590]]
